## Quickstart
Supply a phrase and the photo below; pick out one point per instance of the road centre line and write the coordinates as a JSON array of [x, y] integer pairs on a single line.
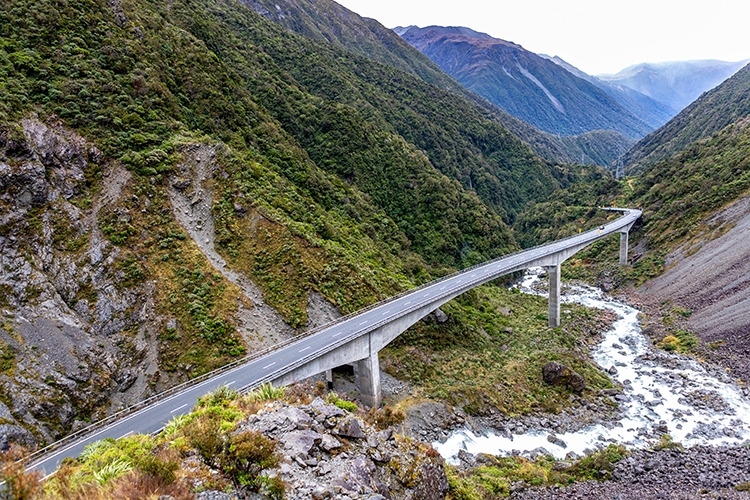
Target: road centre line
[[125, 435], [365, 321], [179, 408], [337, 333], [269, 366], [306, 348], [386, 312]]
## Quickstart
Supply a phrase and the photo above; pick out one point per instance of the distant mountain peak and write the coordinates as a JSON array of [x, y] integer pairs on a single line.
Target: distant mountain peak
[[524, 84], [451, 33], [675, 83]]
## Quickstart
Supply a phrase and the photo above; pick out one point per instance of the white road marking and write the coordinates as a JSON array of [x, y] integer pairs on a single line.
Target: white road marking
[[365, 321], [232, 382], [443, 287], [125, 435], [408, 303], [386, 312], [269, 366], [337, 334], [306, 348], [179, 408]]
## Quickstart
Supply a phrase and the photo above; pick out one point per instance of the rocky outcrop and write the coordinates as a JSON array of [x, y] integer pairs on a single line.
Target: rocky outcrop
[[557, 374], [330, 453], [61, 304]]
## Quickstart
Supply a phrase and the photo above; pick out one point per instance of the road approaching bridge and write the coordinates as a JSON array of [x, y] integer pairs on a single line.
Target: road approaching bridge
[[354, 338]]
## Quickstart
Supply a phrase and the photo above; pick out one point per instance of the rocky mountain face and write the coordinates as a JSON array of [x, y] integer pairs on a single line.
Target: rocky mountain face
[[651, 111], [675, 84], [711, 112], [73, 338], [524, 84]]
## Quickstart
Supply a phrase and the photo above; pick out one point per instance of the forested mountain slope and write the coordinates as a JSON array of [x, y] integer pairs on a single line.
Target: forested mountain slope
[[524, 84], [327, 20], [710, 113], [181, 183]]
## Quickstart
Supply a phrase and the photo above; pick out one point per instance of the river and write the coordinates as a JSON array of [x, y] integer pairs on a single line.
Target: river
[[662, 393]]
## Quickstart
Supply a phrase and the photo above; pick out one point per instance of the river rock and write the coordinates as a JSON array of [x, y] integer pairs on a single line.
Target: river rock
[[557, 374]]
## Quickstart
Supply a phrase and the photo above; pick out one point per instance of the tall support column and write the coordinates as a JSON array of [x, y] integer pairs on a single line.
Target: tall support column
[[369, 380], [553, 274], [624, 248], [329, 379]]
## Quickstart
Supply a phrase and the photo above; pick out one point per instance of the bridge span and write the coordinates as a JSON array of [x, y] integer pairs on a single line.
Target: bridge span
[[356, 338]]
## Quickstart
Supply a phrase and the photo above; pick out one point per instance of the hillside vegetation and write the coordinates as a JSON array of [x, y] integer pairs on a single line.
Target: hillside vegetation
[[153, 155], [676, 195], [331, 22]]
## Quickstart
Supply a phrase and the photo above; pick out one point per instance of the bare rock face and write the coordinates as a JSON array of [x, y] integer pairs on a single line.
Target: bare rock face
[[557, 374], [61, 306], [321, 461]]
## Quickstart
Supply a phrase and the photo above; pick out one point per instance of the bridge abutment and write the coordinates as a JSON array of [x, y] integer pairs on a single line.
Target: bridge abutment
[[553, 275]]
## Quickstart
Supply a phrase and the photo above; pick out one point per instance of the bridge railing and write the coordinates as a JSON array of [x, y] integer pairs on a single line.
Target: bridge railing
[[99, 424]]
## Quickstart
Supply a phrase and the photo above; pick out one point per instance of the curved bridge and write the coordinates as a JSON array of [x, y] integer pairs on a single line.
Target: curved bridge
[[355, 338]]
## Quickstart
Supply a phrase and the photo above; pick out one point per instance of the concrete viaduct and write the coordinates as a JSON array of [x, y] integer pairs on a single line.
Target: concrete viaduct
[[356, 338], [393, 317]]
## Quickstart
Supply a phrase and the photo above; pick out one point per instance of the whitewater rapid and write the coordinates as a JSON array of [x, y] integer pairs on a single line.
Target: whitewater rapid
[[663, 393]]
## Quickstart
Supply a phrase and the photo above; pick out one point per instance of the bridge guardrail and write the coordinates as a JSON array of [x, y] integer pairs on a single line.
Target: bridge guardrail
[[99, 424]]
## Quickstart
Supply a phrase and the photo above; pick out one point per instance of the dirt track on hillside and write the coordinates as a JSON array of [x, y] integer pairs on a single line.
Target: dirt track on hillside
[[714, 284]]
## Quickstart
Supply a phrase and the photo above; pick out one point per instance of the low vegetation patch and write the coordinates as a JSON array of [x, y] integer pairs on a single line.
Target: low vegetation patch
[[495, 478], [490, 352], [144, 466]]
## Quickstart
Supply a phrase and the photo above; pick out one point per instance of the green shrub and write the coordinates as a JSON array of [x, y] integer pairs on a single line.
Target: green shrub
[[247, 454], [266, 392], [334, 399], [112, 470]]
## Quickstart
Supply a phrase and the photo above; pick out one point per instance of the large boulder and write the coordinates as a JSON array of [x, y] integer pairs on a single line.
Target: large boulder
[[557, 374]]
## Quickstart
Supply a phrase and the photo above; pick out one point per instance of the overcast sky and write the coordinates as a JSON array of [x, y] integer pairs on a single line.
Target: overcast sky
[[597, 36]]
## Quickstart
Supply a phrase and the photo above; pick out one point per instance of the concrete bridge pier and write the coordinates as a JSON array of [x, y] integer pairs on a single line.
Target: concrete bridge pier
[[369, 380], [624, 247], [553, 274]]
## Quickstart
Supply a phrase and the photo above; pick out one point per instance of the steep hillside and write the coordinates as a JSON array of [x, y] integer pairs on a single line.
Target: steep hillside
[[712, 112], [690, 252], [184, 183], [524, 84], [652, 112], [329, 21], [157, 221], [675, 84]]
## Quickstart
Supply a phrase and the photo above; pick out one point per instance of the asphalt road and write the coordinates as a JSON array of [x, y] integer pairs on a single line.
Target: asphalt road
[[286, 358]]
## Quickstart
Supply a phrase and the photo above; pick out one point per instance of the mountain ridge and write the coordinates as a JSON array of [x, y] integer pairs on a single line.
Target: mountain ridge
[[675, 83], [315, 19], [651, 111], [524, 84]]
